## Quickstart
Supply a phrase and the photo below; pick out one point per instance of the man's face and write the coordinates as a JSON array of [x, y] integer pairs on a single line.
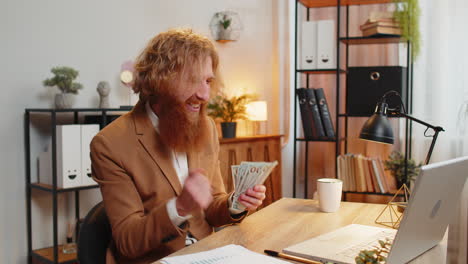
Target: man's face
[[182, 120], [193, 92]]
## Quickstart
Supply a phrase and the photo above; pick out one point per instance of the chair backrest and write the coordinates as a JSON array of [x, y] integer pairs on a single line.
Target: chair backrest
[[94, 237]]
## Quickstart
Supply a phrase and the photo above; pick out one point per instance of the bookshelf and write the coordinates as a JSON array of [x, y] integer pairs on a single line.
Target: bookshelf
[[53, 253], [317, 157]]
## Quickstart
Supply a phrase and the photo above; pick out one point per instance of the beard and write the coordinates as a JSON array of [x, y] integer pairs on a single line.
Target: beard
[[179, 129]]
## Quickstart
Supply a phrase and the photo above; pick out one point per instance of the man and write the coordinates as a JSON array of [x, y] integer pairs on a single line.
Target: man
[[157, 166]]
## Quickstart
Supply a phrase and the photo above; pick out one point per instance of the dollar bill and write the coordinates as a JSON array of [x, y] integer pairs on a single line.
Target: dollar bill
[[247, 175]]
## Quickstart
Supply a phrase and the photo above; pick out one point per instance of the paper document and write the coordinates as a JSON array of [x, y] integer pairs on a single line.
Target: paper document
[[230, 254]]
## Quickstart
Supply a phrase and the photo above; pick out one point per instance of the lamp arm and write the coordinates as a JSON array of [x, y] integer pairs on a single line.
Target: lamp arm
[[434, 138], [436, 129]]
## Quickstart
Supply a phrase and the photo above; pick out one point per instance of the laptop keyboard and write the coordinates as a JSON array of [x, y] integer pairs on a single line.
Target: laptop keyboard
[[371, 243]]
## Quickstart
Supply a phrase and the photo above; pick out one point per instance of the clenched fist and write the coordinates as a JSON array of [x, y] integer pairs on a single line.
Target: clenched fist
[[196, 193]]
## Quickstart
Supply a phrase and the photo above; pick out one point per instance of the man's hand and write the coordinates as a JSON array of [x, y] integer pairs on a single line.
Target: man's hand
[[253, 197], [195, 194]]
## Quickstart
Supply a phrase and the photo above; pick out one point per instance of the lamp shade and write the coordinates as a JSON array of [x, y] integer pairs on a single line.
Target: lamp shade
[[377, 127], [257, 111]]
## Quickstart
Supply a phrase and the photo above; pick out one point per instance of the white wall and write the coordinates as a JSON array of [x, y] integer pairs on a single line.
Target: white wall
[[95, 37]]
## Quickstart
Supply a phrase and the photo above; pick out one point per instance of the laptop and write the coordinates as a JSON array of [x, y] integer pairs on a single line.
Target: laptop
[[431, 207]]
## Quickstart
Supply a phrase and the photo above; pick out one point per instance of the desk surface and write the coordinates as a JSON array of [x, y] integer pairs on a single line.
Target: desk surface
[[289, 221]]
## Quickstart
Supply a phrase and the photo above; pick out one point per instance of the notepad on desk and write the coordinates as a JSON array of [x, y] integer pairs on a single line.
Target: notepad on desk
[[230, 254]]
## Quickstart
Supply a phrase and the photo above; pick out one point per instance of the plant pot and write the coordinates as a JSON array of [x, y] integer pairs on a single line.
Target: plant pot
[[228, 129], [224, 34], [64, 100]]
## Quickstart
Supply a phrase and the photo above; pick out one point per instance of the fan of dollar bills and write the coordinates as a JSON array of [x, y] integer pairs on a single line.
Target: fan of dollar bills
[[247, 175]]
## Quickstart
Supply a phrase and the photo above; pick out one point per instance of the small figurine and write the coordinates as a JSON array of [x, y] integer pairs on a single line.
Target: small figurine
[[103, 89]]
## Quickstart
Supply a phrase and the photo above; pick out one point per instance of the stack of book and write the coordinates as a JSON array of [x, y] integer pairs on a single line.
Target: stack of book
[[380, 26], [364, 174]]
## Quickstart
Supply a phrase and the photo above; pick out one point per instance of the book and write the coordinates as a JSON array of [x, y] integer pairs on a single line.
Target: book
[[380, 15], [379, 24], [388, 178], [381, 31], [377, 184], [379, 177], [352, 172], [341, 171], [359, 173], [324, 113], [368, 175], [310, 115]]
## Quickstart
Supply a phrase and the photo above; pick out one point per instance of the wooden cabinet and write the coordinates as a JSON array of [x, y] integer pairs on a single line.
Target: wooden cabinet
[[256, 148]]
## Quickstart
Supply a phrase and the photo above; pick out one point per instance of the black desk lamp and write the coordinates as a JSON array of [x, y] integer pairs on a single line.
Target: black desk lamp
[[377, 127]]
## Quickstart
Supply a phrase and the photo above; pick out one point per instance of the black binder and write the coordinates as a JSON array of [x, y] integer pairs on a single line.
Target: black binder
[[324, 113], [313, 128]]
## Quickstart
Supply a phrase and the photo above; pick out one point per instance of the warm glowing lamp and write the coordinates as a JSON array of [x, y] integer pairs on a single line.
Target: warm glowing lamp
[[257, 112]]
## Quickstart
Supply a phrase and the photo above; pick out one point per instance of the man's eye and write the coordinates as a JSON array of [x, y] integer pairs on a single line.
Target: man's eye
[[208, 81]]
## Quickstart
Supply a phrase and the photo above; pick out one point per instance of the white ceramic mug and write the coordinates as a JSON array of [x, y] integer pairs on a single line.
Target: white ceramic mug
[[329, 194]]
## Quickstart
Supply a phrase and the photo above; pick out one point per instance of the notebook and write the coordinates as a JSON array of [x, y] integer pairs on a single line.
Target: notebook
[[431, 207]]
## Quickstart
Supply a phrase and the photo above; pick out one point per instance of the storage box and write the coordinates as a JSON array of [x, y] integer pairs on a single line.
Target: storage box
[[365, 86]]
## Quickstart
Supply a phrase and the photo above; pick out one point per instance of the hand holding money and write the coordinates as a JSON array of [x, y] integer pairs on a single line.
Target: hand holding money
[[248, 178], [253, 197]]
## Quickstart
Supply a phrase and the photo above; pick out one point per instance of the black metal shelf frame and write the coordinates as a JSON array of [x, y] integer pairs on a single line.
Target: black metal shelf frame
[[347, 41], [53, 189]]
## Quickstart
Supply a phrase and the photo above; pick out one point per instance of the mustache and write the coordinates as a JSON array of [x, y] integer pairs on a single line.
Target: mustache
[[196, 101]]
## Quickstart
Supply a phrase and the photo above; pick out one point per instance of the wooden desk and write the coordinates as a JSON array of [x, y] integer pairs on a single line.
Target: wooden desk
[[290, 221]]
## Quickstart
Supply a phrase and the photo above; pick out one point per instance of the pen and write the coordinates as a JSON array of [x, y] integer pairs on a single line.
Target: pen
[[286, 256]]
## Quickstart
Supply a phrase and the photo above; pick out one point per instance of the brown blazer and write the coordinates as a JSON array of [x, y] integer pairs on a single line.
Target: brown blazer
[[136, 178]]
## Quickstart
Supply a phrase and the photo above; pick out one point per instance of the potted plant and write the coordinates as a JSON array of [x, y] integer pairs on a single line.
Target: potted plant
[[396, 165], [224, 23], [407, 14], [229, 110], [64, 80], [377, 255]]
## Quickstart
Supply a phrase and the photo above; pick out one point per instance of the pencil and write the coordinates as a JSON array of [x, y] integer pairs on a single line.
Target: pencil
[[286, 256]]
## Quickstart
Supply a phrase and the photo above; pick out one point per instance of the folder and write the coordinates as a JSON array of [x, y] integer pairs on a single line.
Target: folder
[[310, 114], [45, 166], [68, 147], [309, 45], [87, 134], [324, 113], [326, 44]]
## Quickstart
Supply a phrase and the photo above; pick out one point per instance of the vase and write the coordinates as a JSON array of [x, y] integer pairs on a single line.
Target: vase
[[64, 100], [228, 129]]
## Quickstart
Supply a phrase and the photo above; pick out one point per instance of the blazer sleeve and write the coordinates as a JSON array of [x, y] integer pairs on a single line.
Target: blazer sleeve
[[218, 214], [135, 232]]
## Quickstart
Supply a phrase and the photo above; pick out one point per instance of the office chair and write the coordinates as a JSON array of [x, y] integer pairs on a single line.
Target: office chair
[[94, 237]]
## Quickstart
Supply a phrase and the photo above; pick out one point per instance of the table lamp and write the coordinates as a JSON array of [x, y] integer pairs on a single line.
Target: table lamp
[[377, 128], [257, 113]]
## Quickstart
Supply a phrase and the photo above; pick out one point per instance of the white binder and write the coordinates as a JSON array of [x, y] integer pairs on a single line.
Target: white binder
[[68, 156], [308, 49], [326, 44], [87, 134], [45, 166]]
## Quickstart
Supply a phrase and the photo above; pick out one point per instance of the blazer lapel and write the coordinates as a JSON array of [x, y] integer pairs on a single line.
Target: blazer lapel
[[151, 142]]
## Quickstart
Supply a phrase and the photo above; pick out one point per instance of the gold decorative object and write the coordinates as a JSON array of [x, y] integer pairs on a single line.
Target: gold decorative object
[[392, 213]]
